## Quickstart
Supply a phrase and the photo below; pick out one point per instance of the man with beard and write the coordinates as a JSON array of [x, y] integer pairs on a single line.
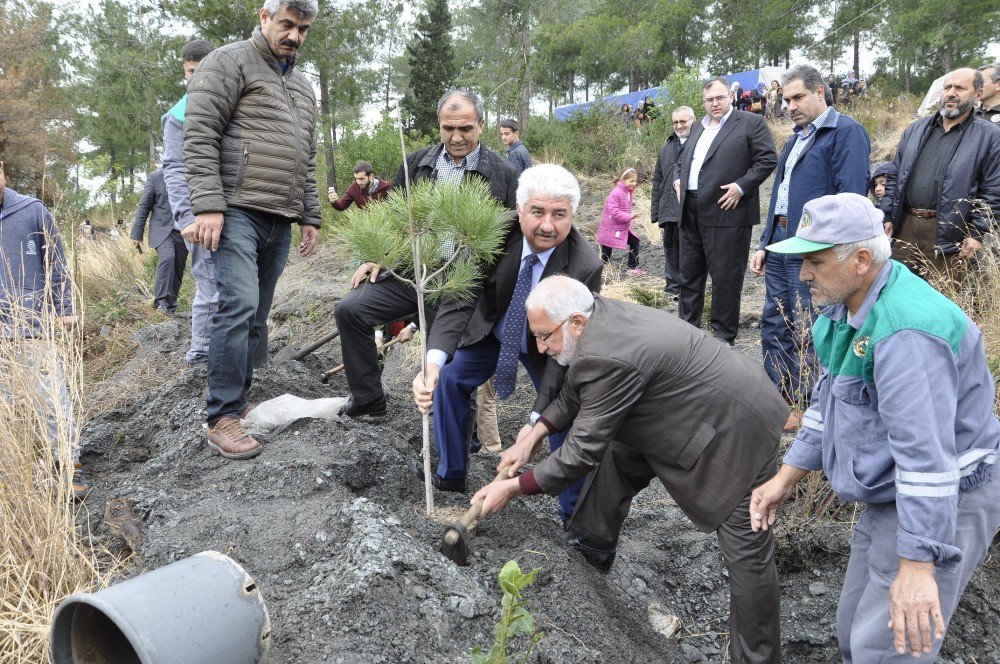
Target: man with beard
[[901, 419], [664, 209], [366, 187], [663, 401], [943, 163]]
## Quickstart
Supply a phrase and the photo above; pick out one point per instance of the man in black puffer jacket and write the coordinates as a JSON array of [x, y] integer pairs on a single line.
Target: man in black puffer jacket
[[377, 297], [250, 161], [942, 163]]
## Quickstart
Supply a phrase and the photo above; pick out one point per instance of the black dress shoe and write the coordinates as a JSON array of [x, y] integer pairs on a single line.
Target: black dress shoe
[[441, 484], [372, 408], [599, 557]]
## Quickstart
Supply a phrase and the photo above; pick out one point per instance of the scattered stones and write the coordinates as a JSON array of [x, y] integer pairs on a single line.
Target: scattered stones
[[662, 621], [817, 588]]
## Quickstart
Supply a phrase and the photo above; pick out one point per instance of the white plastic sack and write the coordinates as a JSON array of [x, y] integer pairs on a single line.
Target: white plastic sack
[[282, 411]]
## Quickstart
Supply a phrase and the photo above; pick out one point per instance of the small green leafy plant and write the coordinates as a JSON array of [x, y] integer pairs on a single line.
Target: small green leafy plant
[[516, 625]]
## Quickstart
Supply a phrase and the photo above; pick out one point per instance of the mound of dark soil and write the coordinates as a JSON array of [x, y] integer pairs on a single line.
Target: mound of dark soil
[[330, 524]]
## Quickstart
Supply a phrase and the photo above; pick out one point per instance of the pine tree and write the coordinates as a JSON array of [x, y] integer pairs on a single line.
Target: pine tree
[[432, 67]]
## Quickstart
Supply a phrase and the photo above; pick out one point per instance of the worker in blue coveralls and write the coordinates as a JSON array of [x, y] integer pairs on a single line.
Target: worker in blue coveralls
[[902, 420]]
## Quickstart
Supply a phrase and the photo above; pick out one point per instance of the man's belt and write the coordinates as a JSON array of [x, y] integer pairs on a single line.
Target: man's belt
[[921, 212], [782, 220]]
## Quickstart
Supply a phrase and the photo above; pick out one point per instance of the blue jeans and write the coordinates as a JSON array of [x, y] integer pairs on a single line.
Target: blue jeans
[[252, 253], [786, 326], [471, 367]]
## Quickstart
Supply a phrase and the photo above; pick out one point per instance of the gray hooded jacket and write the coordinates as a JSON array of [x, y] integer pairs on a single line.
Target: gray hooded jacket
[[31, 253]]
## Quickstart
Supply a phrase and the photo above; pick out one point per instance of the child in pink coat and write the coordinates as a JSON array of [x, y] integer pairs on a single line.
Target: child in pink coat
[[615, 231]]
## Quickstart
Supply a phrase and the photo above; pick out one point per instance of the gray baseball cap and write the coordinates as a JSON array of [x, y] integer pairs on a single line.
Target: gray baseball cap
[[831, 220]]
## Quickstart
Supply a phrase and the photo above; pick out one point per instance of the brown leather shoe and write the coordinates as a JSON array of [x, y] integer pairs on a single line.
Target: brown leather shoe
[[794, 421], [229, 439]]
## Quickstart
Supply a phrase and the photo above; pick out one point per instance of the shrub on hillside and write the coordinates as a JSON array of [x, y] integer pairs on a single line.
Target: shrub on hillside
[[595, 143]]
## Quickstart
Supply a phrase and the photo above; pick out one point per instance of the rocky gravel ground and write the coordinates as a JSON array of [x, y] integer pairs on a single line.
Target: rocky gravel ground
[[330, 523]]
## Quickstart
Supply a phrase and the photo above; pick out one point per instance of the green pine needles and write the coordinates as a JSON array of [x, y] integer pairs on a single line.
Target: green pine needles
[[459, 229], [516, 624]]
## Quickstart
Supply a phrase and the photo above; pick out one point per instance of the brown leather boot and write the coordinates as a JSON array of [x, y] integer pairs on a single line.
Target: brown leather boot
[[229, 439], [81, 487]]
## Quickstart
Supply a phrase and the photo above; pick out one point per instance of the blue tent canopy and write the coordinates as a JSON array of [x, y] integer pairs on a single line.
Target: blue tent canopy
[[614, 102], [746, 79]]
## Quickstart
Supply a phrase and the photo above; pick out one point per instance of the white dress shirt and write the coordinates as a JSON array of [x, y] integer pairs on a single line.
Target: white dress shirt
[[702, 146]]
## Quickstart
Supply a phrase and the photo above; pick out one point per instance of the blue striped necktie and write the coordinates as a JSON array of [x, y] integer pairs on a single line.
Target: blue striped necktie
[[513, 331]]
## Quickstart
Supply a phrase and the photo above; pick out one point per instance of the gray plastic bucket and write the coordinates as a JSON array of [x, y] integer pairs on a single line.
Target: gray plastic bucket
[[205, 608]]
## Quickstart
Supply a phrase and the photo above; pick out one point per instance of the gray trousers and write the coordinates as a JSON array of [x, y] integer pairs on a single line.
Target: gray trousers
[[205, 304], [172, 255], [754, 596], [863, 612], [39, 367]]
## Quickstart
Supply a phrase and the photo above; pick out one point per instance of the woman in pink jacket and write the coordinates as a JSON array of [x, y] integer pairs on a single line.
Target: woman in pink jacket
[[615, 231]]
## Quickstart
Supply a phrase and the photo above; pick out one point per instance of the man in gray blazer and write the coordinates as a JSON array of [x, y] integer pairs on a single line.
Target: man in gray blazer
[[168, 243], [666, 402], [727, 157]]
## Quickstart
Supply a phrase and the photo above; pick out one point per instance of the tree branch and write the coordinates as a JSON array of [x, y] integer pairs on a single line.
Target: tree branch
[[458, 250]]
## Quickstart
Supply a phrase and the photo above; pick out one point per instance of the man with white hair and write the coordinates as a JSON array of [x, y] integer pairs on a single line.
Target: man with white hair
[[901, 419], [250, 161], [487, 334], [660, 401], [664, 209]]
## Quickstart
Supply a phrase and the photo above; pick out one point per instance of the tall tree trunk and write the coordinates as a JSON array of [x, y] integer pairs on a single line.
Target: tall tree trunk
[[552, 107], [857, 53], [788, 59], [152, 149], [524, 109], [329, 128]]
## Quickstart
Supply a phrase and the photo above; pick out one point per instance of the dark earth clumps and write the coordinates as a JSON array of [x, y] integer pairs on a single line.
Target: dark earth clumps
[[330, 523]]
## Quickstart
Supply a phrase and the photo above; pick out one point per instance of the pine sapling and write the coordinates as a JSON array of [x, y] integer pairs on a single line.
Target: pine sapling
[[437, 239]]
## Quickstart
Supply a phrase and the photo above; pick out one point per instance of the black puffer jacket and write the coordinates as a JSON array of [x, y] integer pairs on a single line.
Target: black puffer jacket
[[497, 171], [250, 134], [974, 173]]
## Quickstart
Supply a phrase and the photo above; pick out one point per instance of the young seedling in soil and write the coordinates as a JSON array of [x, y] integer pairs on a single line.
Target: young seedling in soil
[[437, 239], [514, 619]]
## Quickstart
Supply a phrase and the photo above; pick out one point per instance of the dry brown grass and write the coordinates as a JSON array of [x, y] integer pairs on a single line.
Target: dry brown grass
[[979, 295], [108, 268], [44, 556]]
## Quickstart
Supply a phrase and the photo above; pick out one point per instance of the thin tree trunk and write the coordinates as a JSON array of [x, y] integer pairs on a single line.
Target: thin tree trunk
[[524, 109], [329, 129], [857, 53]]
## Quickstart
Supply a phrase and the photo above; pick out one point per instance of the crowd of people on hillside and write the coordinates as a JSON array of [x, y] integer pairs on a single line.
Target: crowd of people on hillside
[[883, 380], [763, 99]]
